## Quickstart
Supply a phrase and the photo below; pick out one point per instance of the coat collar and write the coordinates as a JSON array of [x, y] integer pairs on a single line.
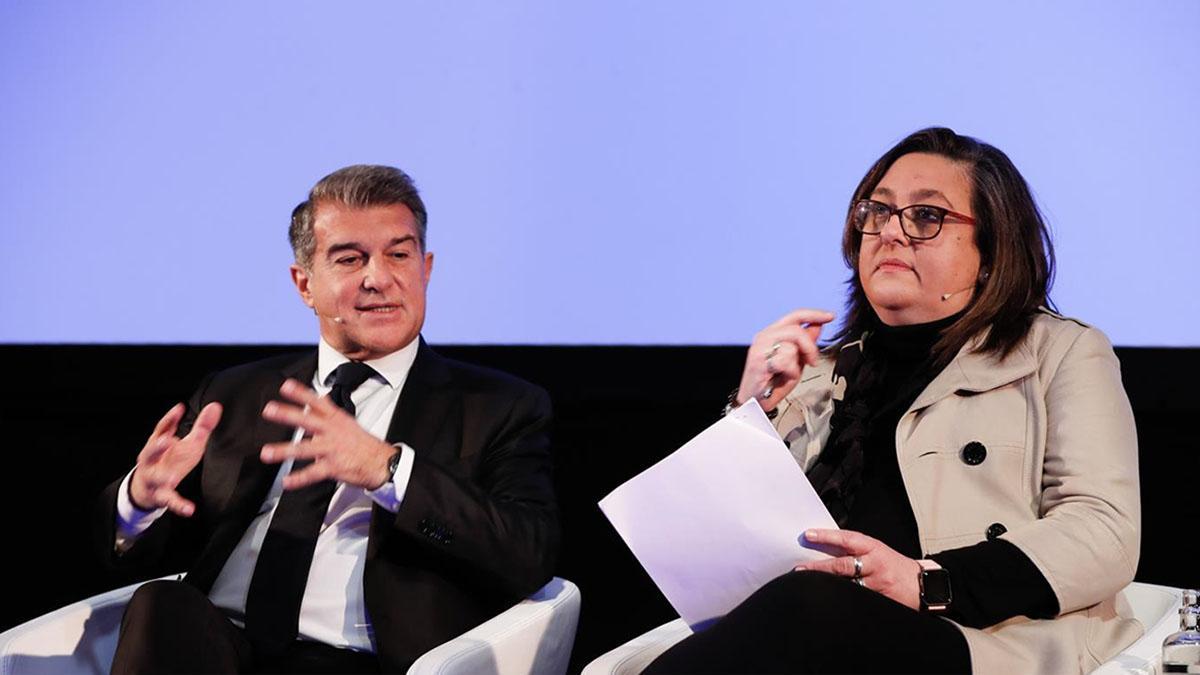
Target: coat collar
[[969, 372], [973, 372]]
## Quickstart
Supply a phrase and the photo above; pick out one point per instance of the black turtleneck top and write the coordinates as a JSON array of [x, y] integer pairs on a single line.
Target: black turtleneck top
[[991, 581]]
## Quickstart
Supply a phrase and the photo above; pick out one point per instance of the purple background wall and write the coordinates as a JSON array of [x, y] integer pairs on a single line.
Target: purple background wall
[[596, 173]]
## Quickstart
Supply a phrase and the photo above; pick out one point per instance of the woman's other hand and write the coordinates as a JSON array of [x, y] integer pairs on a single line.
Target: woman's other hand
[[779, 354], [880, 567]]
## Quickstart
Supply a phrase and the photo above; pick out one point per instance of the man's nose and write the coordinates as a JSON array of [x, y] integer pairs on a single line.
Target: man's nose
[[375, 275]]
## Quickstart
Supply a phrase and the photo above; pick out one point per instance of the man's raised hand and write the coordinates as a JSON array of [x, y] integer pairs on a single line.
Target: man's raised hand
[[166, 459], [339, 448]]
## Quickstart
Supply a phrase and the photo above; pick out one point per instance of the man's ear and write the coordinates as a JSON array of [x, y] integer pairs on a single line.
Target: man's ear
[[300, 278], [428, 266]]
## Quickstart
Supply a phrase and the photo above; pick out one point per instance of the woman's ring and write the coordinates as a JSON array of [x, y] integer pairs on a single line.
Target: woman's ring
[[773, 350], [858, 568], [860, 581]]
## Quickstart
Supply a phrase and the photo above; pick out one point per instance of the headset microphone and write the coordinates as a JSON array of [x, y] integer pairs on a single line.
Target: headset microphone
[[983, 277], [947, 296], [335, 319]]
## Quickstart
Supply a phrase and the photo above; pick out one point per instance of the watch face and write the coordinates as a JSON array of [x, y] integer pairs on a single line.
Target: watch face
[[935, 587]]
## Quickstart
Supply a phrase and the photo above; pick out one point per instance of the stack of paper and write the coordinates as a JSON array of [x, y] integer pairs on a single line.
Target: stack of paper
[[720, 517]]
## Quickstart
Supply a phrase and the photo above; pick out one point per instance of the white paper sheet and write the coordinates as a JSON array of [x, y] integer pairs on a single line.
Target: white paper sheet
[[719, 517]]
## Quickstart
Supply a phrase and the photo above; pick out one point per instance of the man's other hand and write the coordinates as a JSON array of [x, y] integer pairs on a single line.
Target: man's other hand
[[166, 459], [339, 448]]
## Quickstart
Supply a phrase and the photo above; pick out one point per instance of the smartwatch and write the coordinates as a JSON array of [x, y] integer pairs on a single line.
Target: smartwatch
[[934, 581]]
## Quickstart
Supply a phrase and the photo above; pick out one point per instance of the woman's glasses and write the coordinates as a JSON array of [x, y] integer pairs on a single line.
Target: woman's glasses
[[917, 221]]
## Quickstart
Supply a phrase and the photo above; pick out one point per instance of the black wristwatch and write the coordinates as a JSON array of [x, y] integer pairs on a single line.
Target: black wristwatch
[[935, 587], [393, 464]]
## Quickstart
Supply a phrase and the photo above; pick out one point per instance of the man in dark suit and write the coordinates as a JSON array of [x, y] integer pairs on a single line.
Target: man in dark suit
[[357, 506]]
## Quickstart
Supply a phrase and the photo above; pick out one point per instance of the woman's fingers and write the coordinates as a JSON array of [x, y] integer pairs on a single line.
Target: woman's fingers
[[778, 355], [851, 542], [801, 317]]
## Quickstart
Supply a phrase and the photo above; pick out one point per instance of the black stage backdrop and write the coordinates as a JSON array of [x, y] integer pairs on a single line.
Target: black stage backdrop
[[73, 418]]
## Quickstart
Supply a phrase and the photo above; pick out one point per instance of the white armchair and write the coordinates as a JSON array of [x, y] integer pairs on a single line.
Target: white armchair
[[1157, 608], [533, 636], [1154, 606]]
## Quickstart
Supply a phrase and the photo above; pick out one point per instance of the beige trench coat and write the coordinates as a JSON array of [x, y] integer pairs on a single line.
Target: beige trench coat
[[1059, 474]]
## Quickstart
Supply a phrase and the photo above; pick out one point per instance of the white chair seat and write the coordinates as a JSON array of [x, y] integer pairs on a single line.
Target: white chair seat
[[533, 636], [1156, 607]]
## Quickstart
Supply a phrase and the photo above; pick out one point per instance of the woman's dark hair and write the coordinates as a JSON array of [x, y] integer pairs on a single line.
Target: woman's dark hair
[[1016, 255]]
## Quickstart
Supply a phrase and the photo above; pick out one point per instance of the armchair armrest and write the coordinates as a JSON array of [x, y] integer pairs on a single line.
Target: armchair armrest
[[533, 636], [78, 638], [633, 656]]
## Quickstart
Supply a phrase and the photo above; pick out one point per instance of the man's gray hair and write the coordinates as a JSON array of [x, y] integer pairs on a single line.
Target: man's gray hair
[[358, 186]]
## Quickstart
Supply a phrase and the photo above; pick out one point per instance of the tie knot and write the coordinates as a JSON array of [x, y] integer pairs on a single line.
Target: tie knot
[[346, 379], [351, 374]]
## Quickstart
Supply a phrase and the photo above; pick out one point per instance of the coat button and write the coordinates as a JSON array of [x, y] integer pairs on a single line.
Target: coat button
[[995, 530], [974, 453]]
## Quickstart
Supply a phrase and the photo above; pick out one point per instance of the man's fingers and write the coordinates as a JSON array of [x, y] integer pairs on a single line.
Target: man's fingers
[[155, 447], [310, 474], [174, 502], [206, 421], [296, 392], [274, 453], [169, 421], [163, 435], [165, 497], [291, 416]]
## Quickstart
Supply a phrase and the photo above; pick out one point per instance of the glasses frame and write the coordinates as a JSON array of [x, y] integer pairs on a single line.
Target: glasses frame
[[900, 212]]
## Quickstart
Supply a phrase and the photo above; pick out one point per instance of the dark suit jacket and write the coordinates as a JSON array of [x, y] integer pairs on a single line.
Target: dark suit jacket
[[477, 529]]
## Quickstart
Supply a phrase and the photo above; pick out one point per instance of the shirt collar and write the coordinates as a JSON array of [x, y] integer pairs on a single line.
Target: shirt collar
[[393, 367]]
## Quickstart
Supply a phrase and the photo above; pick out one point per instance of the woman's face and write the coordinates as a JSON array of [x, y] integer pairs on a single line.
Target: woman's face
[[906, 280]]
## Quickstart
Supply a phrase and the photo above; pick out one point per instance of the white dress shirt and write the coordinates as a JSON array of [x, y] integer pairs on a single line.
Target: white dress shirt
[[333, 610]]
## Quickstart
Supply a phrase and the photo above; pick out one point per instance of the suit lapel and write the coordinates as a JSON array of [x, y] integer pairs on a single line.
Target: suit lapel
[[255, 478], [242, 496], [427, 404]]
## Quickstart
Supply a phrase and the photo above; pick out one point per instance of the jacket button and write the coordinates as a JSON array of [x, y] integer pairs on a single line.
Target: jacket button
[[974, 453], [995, 530]]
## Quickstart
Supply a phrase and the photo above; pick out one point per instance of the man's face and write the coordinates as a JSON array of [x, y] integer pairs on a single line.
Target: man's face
[[367, 278]]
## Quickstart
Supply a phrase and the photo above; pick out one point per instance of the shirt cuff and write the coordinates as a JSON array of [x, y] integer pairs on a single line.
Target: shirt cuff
[[131, 521], [391, 494]]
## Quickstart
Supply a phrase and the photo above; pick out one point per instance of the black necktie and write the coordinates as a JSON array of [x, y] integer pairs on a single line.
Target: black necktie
[[277, 586]]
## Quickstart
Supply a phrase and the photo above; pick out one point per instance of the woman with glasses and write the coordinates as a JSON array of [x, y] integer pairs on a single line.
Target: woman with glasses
[[976, 449]]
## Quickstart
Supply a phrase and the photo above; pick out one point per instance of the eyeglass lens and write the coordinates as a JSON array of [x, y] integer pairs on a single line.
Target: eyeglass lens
[[918, 221]]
